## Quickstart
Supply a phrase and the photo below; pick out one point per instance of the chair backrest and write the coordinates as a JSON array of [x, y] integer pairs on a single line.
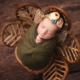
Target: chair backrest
[[11, 34], [26, 12], [58, 70], [70, 49]]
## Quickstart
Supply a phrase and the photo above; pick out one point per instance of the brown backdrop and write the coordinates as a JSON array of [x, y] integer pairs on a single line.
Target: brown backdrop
[[9, 67]]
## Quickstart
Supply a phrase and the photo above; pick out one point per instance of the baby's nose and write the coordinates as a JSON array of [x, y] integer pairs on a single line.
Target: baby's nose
[[44, 31]]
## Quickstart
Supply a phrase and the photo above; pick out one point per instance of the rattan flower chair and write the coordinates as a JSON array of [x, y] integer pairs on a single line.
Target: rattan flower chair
[[57, 68]]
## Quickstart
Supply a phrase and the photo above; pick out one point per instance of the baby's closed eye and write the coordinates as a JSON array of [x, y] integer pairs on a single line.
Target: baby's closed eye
[[49, 32]]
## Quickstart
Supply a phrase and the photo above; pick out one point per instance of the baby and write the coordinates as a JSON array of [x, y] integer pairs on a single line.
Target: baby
[[36, 47]]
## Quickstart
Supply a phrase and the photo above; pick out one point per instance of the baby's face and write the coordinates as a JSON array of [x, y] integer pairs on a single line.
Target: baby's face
[[46, 29]]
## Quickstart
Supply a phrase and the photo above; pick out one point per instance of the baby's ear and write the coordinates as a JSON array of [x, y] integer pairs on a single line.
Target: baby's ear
[[60, 23], [39, 15]]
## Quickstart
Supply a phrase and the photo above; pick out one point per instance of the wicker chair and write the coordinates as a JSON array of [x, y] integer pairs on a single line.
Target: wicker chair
[[57, 68]]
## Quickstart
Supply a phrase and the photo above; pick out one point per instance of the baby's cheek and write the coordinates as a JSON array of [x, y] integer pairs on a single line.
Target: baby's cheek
[[39, 30]]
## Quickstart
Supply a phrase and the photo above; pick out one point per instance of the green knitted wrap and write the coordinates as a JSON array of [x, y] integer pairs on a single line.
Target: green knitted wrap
[[35, 55]]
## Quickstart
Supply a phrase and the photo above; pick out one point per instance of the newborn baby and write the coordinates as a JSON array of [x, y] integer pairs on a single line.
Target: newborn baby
[[36, 47]]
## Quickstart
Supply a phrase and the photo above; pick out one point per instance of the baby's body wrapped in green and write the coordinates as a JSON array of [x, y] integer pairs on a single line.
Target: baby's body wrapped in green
[[35, 55]]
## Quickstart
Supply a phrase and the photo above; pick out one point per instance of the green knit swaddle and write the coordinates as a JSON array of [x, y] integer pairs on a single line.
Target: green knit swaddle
[[33, 55]]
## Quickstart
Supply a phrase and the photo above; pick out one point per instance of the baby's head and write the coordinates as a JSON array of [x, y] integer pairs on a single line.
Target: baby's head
[[48, 27]]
